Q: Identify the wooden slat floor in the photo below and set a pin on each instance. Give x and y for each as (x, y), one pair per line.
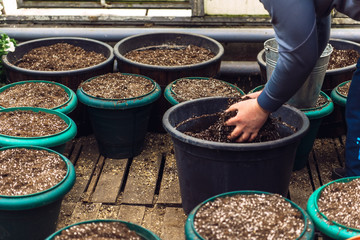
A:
(145, 190)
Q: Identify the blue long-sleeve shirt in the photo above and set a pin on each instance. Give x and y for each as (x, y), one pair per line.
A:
(302, 30)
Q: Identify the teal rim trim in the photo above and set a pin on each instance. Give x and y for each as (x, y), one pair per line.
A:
(312, 113)
(337, 97)
(143, 232)
(330, 228)
(169, 93)
(65, 108)
(125, 103)
(190, 226)
(44, 141)
(42, 198)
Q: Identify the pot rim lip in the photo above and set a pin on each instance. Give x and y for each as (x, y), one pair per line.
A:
(68, 91)
(191, 217)
(132, 226)
(234, 146)
(121, 57)
(125, 103)
(108, 60)
(340, 85)
(169, 93)
(28, 201)
(316, 196)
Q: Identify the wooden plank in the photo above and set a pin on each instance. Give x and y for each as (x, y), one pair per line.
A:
(141, 182)
(154, 218)
(170, 188)
(130, 213)
(111, 178)
(108, 212)
(69, 147)
(300, 187)
(313, 169)
(94, 178)
(85, 211)
(84, 167)
(66, 210)
(340, 149)
(174, 223)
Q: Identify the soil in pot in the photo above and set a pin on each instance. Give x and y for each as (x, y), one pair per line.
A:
(217, 131)
(340, 58)
(31, 94)
(170, 55)
(26, 171)
(344, 89)
(255, 216)
(98, 230)
(191, 88)
(339, 202)
(59, 57)
(117, 86)
(25, 123)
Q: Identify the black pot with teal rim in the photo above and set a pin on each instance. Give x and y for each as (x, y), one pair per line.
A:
(170, 95)
(66, 108)
(120, 125)
(191, 233)
(139, 230)
(331, 229)
(55, 141)
(315, 115)
(338, 97)
(34, 216)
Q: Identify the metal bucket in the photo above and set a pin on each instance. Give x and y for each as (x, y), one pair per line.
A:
(307, 95)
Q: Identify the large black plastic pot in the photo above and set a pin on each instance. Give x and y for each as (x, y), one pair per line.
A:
(332, 125)
(209, 168)
(71, 79)
(164, 75)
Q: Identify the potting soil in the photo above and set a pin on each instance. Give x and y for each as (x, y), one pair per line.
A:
(342, 58)
(24, 123)
(170, 55)
(33, 94)
(98, 230)
(254, 216)
(26, 171)
(344, 89)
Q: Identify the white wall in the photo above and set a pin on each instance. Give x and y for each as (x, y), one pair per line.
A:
(234, 7)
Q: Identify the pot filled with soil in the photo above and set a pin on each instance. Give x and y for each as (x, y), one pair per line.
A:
(66, 60)
(334, 208)
(38, 93)
(104, 229)
(189, 88)
(34, 181)
(324, 106)
(339, 94)
(209, 164)
(36, 127)
(166, 57)
(119, 107)
(248, 215)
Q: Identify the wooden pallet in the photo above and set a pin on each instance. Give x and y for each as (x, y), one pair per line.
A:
(145, 189)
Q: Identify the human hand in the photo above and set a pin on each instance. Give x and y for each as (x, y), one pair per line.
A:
(249, 119)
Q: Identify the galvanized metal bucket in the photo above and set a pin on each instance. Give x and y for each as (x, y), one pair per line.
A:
(307, 95)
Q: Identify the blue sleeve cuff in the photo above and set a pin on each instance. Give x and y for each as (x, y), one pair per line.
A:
(268, 103)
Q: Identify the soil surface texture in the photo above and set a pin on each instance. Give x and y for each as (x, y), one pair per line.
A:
(339, 202)
(26, 123)
(59, 57)
(255, 216)
(27, 171)
(118, 86)
(219, 132)
(33, 94)
(192, 88)
(344, 89)
(170, 55)
(343, 58)
(99, 230)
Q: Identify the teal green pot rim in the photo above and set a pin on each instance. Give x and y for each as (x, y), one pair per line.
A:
(65, 108)
(169, 93)
(143, 232)
(193, 234)
(330, 228)
(337, 97)
(311, 113)
(122, 104)
(30, 201)
(44, 141)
